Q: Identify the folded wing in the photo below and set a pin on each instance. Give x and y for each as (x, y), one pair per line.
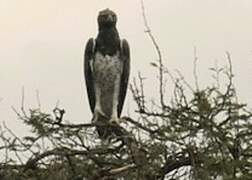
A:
(125, 56)
(88, 58)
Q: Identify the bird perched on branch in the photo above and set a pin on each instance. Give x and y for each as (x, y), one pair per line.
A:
(106, 68)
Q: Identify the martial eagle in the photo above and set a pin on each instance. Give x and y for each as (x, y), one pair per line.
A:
(106, 69)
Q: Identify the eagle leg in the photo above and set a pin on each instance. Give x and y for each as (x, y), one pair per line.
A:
(114, 117)
(98, 110)
(114, 120)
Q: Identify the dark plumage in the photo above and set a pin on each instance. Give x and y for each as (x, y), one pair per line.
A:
(106, 66)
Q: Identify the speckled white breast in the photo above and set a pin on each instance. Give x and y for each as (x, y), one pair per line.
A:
(107, 72)
(106, 68)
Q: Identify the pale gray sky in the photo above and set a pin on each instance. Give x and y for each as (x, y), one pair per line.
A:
(42, 44)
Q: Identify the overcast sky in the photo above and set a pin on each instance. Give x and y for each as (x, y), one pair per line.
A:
(42, 44)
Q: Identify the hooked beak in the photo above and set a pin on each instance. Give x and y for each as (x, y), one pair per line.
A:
(110, 18)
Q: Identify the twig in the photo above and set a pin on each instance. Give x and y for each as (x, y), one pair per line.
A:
(141, 90)
(195, 68)
(38, 99)
(31, 163)
(122, 169)
(17, 138)
(160, 59)
(22, 102)
(183, 79)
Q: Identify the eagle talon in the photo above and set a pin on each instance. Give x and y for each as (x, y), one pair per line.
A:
(95, 117)
(114, 121)
(98, 114)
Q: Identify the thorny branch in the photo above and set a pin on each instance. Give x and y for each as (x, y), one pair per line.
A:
(194, 135)
(160, 59)
(195, 68)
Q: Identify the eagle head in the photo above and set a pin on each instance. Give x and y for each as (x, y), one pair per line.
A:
(107, 18)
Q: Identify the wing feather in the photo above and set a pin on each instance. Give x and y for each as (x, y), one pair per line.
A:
(88, 57)
(125, 55)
